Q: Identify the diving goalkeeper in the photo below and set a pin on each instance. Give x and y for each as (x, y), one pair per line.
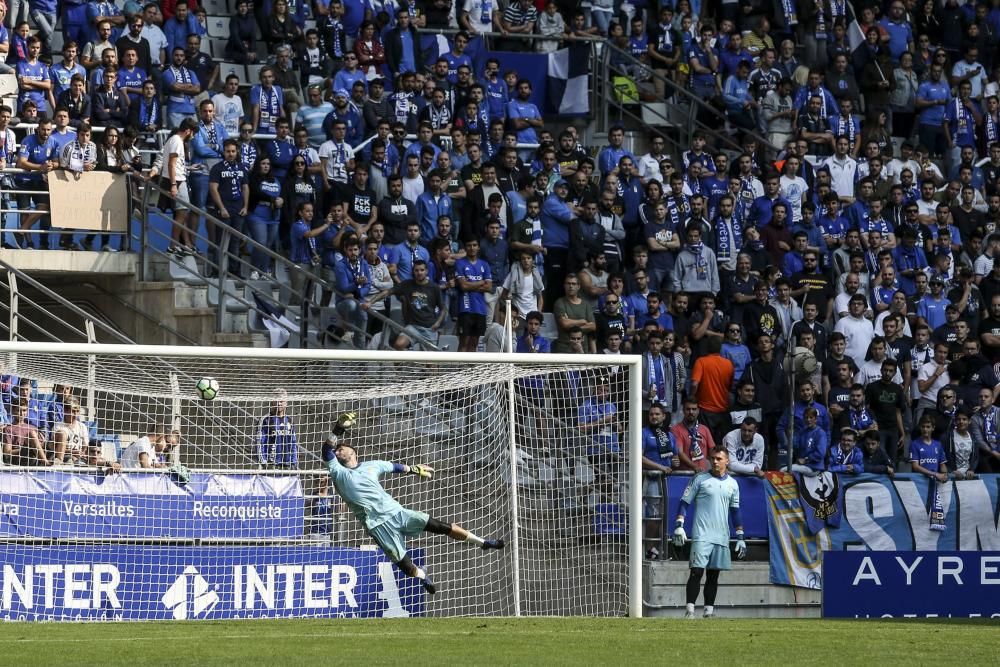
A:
(384, 519)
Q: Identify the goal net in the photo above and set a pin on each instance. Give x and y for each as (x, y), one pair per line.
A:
(123, 495)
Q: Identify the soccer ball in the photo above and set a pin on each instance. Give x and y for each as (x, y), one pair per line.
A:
(207, 388)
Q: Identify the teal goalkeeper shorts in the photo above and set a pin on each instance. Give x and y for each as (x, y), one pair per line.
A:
(390, 535)
(710, 556)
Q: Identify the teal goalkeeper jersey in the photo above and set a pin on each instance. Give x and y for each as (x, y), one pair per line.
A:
(361, 489)
(712, 498)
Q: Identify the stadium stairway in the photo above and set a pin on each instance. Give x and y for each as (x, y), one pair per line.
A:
(744, 592)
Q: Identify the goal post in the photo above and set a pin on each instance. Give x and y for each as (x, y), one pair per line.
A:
(237, 518)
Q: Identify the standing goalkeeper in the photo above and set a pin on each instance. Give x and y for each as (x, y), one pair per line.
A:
(384, 519)
(717, 498)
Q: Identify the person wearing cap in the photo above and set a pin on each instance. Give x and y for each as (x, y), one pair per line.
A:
(556, 215)
(857, 329)
(844, 457)
(386, 521)
(346, 113)
(932, 307)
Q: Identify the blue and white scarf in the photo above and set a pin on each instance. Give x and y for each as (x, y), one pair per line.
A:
(700, 263)
(728, 238)
(992, 130)
(791, 16)
(990, 428)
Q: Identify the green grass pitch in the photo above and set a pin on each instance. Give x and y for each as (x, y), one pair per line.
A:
(540, 641)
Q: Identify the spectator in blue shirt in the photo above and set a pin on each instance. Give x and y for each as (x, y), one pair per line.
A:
(179, 26)
(432, 205)
(496, 90)
(963, 118)
(610, 156)
(304, 251)
(810, 443)
(62, 73)
(845, 457)
(353, 282)
(732, 55)
(33, 78)
(37, 157)
(228, 187)
(931, 309)
(933, 97)
(556, 214)
(762, 208)
(409, 251)
(740, 104)
(525, 118)
(181, 85)
(474, 280)
(703, 60)
(927, 457)
(900, 32)
(495, 250)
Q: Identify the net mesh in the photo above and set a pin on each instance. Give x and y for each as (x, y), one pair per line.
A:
(239, 518)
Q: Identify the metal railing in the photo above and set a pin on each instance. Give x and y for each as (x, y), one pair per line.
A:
(124, 303)
(16, 279)
(677, 96)
(220, 262)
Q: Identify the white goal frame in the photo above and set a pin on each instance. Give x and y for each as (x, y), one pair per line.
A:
(633, 438)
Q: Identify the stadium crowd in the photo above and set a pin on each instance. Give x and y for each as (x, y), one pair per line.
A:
(712, 264)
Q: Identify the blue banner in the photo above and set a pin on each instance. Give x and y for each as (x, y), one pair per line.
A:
(880, 514)
(911, 584)
(753, 500)
(49, 504)
(117, 582)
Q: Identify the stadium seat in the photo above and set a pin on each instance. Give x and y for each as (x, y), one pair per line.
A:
(447, 343)
(110, 445)
(218, 27)
(8, 85)
(232, 305)
(185, 270)
(655, 113)
(217, 49)
(56, 41)
(225, 69)
(216, 7)
(284, 283)
(549, 328)
(253, 73)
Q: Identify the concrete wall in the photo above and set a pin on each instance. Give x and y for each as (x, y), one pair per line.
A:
(744, 592)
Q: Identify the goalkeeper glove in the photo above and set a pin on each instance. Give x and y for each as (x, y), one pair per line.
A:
(680, 536)
(344, 422)
(741, 546)
(422, 470)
